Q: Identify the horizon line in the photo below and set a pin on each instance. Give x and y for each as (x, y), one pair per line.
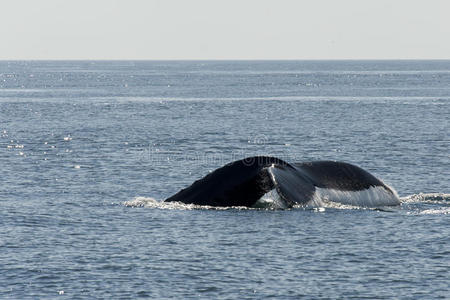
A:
(226, 59)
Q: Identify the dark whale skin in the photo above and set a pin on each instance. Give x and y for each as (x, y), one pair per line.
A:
(244, 182)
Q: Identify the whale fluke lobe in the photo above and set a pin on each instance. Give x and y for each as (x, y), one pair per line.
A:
(240, 183)
(246, 182)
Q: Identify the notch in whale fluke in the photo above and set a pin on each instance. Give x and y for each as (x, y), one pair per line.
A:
(244, 182)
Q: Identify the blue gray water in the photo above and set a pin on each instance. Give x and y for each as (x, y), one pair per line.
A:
(86, 147)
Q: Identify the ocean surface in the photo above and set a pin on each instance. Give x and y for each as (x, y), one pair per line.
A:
(89, 149)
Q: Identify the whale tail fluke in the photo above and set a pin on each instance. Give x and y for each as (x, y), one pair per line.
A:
(246, 182)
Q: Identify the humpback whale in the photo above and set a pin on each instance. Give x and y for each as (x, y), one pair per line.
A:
(264, 181)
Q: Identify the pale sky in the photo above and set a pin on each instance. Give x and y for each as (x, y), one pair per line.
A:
(228, 29)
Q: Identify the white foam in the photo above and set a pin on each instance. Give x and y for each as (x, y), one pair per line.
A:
(145, 202)
(372, 197)
(153, 203)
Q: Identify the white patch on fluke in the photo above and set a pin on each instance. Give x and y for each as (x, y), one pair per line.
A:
(270, 199)
(372, 197)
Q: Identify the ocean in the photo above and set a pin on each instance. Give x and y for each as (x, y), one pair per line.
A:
(89, 149)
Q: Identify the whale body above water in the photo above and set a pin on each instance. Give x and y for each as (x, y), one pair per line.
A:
(264, 181)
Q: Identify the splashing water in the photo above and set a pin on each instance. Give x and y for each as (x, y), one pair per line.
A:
(412, 204)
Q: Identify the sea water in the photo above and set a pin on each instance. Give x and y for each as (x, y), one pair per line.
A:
(89, 149)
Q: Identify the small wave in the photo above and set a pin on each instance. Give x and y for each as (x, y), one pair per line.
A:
(438, 198)
(440, 211)
(427, 204)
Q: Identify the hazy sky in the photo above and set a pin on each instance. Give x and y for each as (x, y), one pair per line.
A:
(228, 29)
